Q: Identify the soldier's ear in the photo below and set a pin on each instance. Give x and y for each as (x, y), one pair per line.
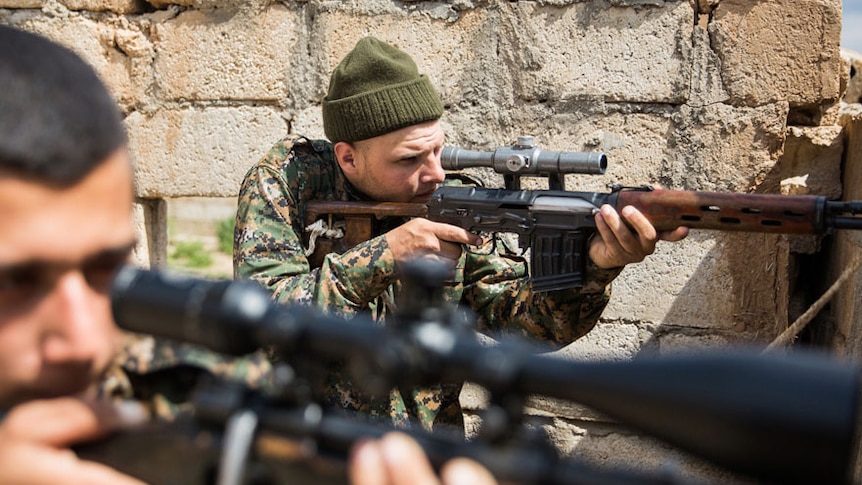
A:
(345, 153)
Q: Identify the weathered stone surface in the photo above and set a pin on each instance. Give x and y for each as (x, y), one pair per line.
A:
(724, 148)
(812, 155)
(120, 53)
(227, 54)
(706, 84)
(151, 229)
(853, 93)
(846, 308)
(610, 447)
(308, 122)
(776, 50)
(609, 340)
(711, 281)
(117, 6)
(15, 4)
(626, 53)
(443, 50)
(192, 152)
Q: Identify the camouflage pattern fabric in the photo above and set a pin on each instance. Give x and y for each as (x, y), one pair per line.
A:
(491, 280)
(162, 374)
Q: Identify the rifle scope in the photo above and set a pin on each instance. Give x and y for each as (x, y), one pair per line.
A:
(525, 158)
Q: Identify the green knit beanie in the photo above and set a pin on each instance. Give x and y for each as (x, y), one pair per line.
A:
(377, 89)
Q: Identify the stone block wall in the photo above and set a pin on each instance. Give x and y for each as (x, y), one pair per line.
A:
(728, 95)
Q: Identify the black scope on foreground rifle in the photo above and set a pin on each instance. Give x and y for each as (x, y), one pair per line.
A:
(525, 158)
(781, 418)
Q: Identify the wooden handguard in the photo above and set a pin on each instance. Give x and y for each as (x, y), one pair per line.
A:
(669, 209)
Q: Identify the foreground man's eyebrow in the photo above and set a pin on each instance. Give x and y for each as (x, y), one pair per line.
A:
(41, 265)
(112, 254)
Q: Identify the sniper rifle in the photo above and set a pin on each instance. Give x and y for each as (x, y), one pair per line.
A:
(784, 419)
(556, 225)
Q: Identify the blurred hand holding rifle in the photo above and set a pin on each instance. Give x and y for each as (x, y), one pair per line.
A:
(556, 224)
(784, 419)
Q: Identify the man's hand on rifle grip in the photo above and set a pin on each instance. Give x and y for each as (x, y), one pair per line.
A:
(420, 237)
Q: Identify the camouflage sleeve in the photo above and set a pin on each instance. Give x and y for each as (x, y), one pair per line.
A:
(164, 374)
(268, 249)
(497, 288)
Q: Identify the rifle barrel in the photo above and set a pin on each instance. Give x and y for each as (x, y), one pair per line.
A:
(844, 214)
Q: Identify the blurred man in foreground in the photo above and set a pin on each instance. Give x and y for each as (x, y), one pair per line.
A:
(66, 196)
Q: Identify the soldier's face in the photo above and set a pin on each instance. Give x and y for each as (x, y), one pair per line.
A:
(59, 251)
(402, 166)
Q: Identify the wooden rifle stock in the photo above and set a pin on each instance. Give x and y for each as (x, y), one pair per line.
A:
(360, 219)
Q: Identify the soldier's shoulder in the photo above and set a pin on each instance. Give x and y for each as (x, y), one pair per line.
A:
(294, 161)
(298, 151)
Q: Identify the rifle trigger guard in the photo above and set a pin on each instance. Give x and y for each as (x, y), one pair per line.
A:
(238, 438)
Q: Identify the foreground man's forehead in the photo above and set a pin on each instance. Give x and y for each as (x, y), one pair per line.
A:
(47, 223)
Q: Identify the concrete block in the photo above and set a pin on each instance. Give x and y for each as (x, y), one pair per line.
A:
(845, 307)
(489, 60)
(473, 397)
(115, 6)
(706, 84)
(724, 148)
(782, 50)
(635, 143)
(191, 152)
(15, 4)
(452, 54)
(606, 341)
(120, 53)
(618, 448)
(625, 53)
(853, 93)
(711, 280)
(308, 122)
(227, 54)
(811, 165)
(814, 155)
(679, 343)
(151, 228)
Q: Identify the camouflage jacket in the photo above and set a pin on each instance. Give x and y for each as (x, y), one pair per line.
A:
(268, 248)
(163, 374)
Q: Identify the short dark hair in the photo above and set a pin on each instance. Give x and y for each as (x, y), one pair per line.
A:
(58, 121)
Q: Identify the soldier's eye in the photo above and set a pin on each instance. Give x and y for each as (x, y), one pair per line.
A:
(20, 283)
(101, 270)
